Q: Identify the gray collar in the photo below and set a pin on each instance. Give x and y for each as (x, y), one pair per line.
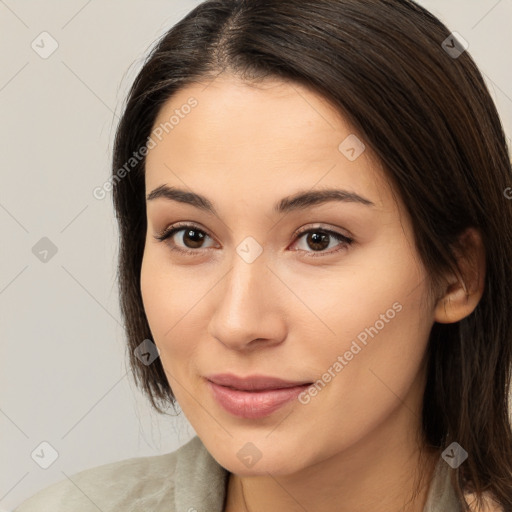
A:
(200, 481)
(441, 495)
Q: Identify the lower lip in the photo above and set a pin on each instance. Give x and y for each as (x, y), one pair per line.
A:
(254, 404)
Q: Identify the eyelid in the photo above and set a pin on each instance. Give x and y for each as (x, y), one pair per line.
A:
(179, 225)
(322, 227)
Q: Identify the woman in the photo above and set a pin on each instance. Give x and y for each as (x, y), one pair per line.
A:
(314, 264)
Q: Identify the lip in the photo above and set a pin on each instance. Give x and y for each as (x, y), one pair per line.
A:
(254, 396)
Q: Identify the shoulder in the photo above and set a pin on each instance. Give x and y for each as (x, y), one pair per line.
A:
(140, 483)
(488, 504)
(442, 494)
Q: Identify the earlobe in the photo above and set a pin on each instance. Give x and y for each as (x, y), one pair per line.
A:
(463, 293)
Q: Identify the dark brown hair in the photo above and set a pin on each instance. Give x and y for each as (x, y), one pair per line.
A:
(428, 116)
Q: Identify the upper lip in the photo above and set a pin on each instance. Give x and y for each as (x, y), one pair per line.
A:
(253, 382)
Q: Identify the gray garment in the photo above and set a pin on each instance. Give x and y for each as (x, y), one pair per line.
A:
(187, 480)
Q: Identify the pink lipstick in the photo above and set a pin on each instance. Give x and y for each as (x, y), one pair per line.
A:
(254, 396)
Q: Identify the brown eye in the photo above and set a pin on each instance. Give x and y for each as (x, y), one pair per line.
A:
(318, 240)
(193, 238)
(190, 242)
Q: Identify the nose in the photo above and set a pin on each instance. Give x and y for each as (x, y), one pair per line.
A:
(248, 310)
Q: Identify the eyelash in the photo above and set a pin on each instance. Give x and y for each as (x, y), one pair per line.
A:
(175, 228)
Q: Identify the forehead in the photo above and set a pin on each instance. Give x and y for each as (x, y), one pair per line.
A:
(270, 137)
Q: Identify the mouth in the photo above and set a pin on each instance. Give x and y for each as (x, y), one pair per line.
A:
(254, 396)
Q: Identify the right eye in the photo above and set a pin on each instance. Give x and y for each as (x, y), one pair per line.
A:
(191, 239)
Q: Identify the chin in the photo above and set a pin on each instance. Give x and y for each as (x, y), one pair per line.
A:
(260, 456)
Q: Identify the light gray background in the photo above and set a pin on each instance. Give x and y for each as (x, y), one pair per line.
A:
(63, 376)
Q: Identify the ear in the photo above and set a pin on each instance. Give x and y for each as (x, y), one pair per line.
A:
(463, 293)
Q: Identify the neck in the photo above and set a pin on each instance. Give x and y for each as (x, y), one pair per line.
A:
(389, 473)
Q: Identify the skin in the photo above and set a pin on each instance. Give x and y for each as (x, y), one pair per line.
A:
(354, 446)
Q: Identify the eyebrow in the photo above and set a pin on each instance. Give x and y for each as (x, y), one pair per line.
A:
(299, 201)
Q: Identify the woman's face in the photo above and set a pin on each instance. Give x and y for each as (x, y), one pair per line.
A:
(268, 289)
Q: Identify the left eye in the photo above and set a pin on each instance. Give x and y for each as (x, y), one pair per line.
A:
(320, 239)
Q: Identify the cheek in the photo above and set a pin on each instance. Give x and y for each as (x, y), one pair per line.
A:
(381, 340)
(369, 371)
(155, 301)
(385, 333)
(171, 303)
